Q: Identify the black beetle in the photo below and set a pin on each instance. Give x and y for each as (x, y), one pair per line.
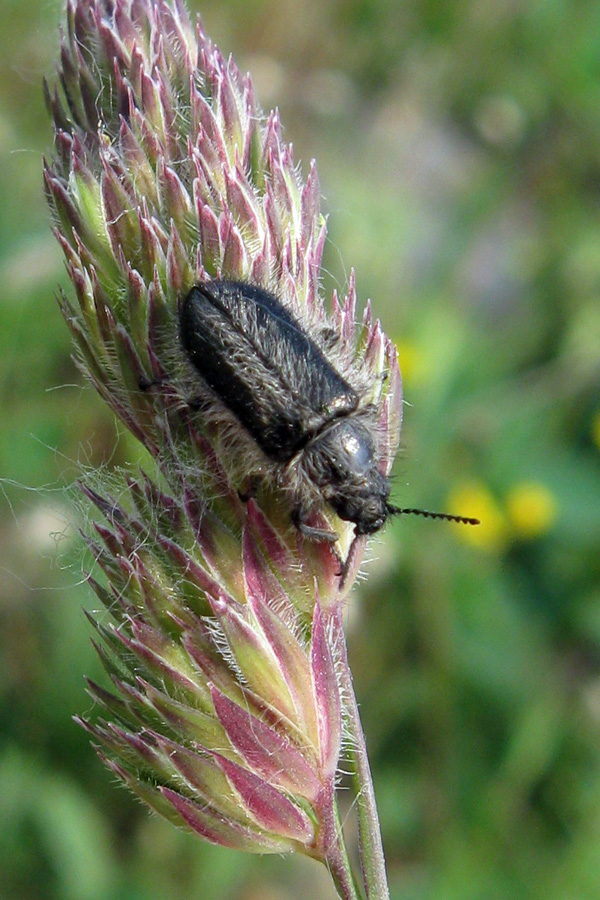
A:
(307, 420)
(313, 428)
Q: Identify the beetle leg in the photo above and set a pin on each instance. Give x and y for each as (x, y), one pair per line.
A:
(312, 532)
(250, 489)
(145, 384)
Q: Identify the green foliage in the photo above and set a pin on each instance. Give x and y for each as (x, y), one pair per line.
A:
(458, 146)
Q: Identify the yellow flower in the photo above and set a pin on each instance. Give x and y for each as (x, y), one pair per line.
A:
(596, 429)
(410, 360)
(531, 509)
(473, 498)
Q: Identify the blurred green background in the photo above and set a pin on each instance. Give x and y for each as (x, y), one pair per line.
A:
(458, 145)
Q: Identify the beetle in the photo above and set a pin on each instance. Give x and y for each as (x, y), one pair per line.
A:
(313, 429)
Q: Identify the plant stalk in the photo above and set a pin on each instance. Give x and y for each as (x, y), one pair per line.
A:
(332, 847)
(369, 830)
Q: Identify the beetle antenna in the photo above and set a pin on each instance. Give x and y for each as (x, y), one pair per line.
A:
(427, 514)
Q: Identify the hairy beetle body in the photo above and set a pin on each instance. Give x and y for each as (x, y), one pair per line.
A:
(261, 364)
(307, 420)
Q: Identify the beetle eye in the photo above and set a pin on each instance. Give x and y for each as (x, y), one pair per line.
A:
(351, 445)
(357, 446)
